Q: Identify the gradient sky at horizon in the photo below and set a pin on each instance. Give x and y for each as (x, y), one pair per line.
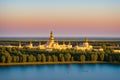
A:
(67, 18)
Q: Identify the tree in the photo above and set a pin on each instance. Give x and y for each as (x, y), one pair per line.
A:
(104, 46)
(14, 58)
(43, 58)
(72, 59)
(67, 57)
(62, 59)
(9, 59)
(55, 59)
(101, 56)
(24, 59)
(3, 59)
(9, 49)
(20, 58)
(30, 58)
(110, 58)
(17, 58)
(119, 58)
(49, 58)
(39, 57)
(94, 57)
(34, 59)
(82, 58)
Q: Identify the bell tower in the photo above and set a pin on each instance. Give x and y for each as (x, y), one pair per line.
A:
(51, 37)
(86, 42)
(19, 44)
(30, 45)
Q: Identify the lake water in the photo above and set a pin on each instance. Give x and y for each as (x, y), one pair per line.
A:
(61, 72)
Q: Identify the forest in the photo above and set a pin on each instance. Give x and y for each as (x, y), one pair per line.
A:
(19, 55)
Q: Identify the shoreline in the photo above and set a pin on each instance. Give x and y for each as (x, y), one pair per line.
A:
(53, 63)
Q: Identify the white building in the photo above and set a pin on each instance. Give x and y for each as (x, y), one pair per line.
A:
(98, 49)
(116, 50)
(84, 46)
(51, 44)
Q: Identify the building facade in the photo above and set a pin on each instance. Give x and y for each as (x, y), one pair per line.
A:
(84, 46)
(52, 44)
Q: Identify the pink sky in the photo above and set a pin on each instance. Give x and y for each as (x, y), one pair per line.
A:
(74, 18)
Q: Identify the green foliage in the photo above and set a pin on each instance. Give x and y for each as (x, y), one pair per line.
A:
(17, 58)
(34, 59)
(67, 57)
(39, 57)
(30, 58)
(62, 59)
(8, 55)
(3, 59)
(55, 59)
(119, 58)
(72, 59)
(82, 58)
(94, 57)
(49, 59)
(14, 59)
(9, 59)
(110, 58)
(24, 58)
(43, 58)
(102, 56)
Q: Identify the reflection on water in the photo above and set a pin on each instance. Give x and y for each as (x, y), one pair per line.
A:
(61, 72)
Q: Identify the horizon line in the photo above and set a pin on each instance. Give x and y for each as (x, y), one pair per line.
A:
(60, 36)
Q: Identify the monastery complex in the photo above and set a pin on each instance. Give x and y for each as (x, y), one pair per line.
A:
(52, 44)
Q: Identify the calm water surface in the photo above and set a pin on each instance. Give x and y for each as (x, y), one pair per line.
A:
(61, 72)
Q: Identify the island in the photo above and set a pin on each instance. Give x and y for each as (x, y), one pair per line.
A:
(58, 52)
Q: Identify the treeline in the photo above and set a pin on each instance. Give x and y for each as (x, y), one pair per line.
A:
(17, 55)
(94, 43)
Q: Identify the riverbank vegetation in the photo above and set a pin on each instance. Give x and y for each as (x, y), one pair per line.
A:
(23, 55)
(74, 42)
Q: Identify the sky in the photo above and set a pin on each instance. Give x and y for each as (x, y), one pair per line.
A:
(66, 18)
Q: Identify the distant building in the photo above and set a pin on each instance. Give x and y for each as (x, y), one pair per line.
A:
(52, 44)
(20, 46)
(98, 49)
(84, 46)
(7, 46)
(116, 50)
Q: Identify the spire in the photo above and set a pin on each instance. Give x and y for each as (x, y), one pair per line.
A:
(51, 36)
(31, 45)
(19, 44)
(86, 39)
